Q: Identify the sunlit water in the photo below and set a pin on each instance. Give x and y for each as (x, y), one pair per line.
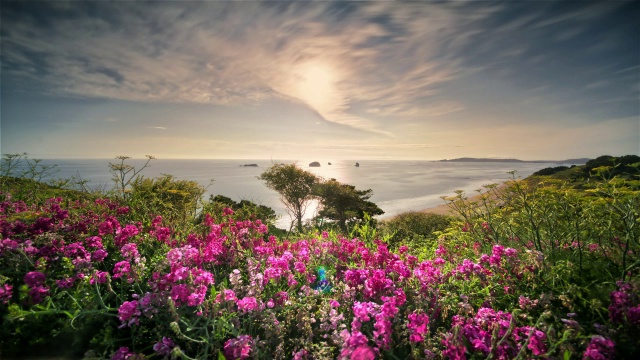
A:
(398, 186)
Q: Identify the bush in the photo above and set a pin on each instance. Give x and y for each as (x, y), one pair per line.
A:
(412, 228)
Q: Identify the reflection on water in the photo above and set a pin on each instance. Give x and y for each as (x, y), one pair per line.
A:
(398, 186)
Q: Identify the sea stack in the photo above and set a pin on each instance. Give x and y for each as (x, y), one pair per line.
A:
(357, 164)
(314, 164)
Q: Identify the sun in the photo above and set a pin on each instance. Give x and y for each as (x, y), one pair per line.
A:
(317, 86)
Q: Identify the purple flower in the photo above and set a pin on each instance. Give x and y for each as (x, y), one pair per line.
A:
(99, 255)
(122, 354)
(6, 292)
(600, 348)
(164, 346)
(34, 278)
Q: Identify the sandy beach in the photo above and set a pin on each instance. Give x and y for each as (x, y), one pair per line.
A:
(445, 209)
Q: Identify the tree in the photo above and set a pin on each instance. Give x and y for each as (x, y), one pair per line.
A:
(342, 202)
(294, 186)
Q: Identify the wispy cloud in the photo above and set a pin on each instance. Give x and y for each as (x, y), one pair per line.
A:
(235, 53)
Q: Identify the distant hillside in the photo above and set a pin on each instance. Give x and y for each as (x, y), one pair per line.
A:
(567, 161)
(627, 166)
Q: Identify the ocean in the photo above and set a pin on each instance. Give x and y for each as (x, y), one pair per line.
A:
(398, 185)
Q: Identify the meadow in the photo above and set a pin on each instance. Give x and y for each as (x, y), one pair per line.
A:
(545, 267)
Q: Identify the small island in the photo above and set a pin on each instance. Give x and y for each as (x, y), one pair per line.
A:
(253, 165)
(314, 164)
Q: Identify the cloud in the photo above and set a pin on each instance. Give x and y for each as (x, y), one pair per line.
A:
(392, 59)
(237, 53)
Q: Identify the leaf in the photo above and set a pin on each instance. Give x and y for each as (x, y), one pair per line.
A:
(221, 356)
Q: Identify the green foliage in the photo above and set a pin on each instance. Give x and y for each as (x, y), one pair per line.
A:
(294, 186)
(413, 228)
(343, 203)
(243, 210)
(167, 196)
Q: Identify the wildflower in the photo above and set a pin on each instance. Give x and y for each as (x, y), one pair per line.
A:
(100, 277)
(363, 352)
(122, 354)
(302, 354)
(235, 278)
(600, 348)
(34, 278)
(130, 252)
(300, 267)
(124, 234)
(38, 293)
(121, 269)
(99, 255)
(6, 292)
(238, 348)
(418, 324)
(65, 283)
(164, 346)
(128, 313)
(248, 304)
(536, 342)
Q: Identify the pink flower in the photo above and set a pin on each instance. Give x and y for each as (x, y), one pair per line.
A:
(300, 267)
(248, 304)
(128, 313)
(418, 324)
(238, 348)
(6, 292)
(363, 353)
(121, 269)
(536, 342)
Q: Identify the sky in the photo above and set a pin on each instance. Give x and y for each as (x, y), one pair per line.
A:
(320, 80)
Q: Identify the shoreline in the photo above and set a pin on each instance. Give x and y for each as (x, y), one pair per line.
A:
(445, 209)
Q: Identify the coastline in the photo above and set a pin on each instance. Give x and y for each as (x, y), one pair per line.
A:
(445, 209)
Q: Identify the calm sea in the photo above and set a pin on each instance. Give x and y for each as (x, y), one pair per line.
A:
(398, 185)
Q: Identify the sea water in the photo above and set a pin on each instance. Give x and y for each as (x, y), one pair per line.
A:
(398, 185)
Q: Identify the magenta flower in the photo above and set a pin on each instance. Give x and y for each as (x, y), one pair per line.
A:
(238, 348)
(600, 348)
(6, 292)
(128, 313)
(34, 278)
(99, 255)
(122, 268)
(247, 304)
(122, 354)
(418, 324)
(363, 352)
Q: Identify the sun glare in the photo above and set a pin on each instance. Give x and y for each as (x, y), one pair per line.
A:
(317, 86)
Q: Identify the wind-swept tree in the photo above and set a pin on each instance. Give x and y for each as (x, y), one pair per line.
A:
(294, 186)
(343, 203)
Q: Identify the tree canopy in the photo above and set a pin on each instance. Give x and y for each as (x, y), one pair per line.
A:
(343, 203)
(294, 186)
